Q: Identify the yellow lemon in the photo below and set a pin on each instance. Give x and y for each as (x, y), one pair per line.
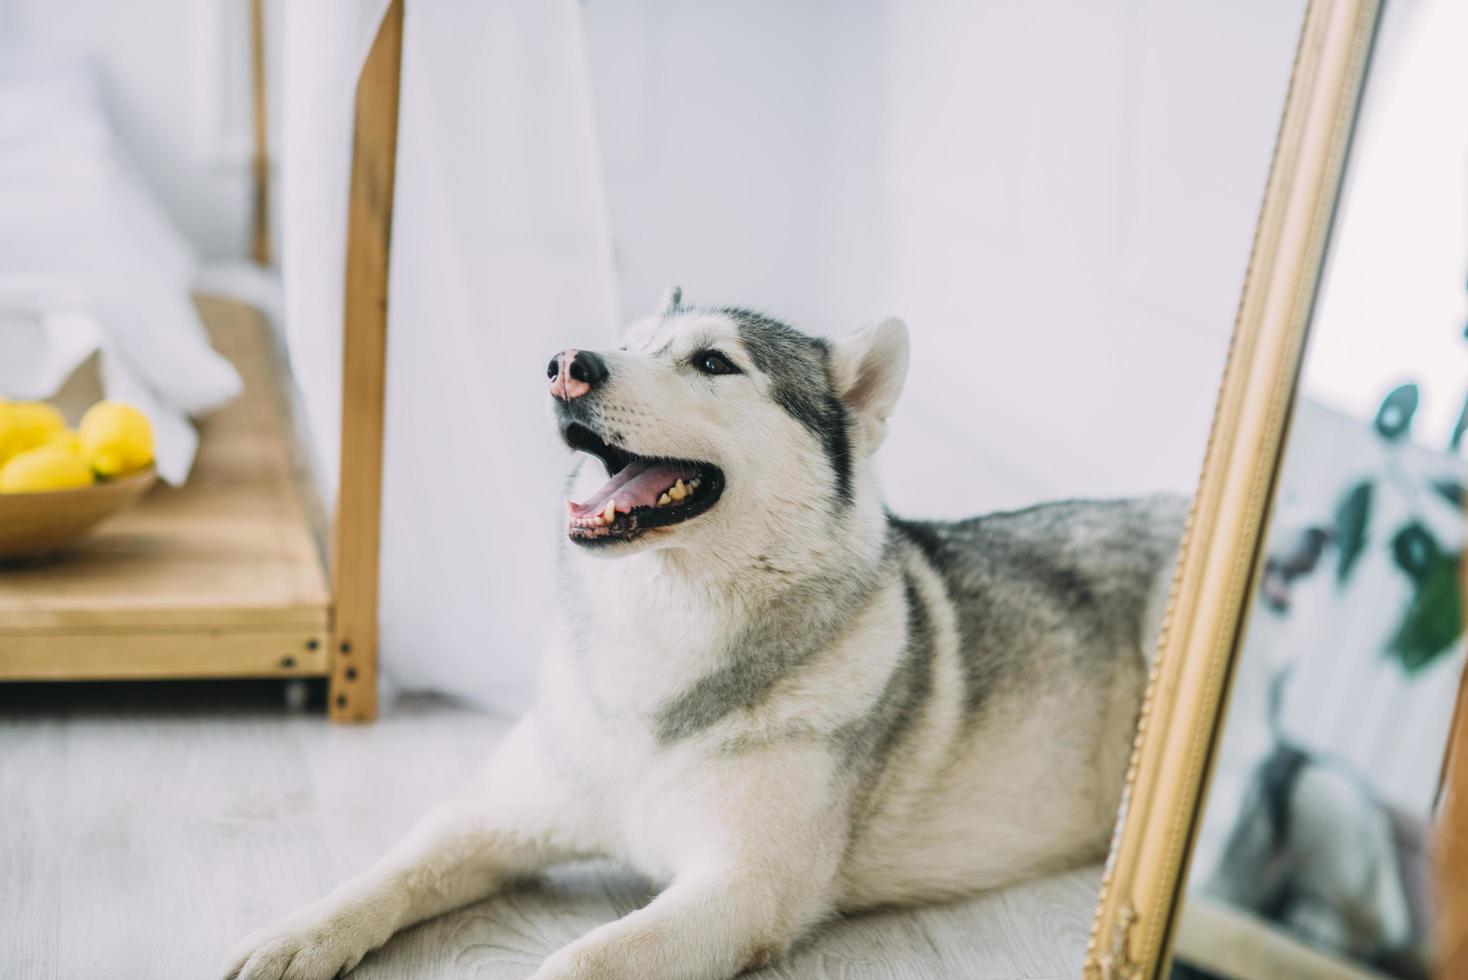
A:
(42, 469)
(26, 425)
(116, 438)
(67, 441)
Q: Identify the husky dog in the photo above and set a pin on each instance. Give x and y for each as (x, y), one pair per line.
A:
(765, 690)
(1315, 851)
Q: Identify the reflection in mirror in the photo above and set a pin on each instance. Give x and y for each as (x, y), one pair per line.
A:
(1311, 858)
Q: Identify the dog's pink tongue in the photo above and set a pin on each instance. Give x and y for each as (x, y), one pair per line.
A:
(636, 485)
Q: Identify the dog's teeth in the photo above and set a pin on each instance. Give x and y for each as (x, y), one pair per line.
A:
(664, 500)
(693, 483)
(678, 491)
(609, 513)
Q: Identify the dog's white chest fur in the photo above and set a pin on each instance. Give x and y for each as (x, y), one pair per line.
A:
(955, 806)
(602, 694)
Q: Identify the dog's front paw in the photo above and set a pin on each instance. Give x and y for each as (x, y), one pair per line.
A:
(588, 960)
(300, 948)
(563, 965)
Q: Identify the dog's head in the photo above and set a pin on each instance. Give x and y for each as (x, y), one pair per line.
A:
(720, 422)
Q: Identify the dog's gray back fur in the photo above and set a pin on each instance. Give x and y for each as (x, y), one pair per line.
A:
(1076, 577)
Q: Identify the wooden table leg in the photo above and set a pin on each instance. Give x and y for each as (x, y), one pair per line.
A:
(1450, 848)
(353, 686)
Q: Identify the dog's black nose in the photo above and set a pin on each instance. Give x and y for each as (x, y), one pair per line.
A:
(575, 372)
(586, 366)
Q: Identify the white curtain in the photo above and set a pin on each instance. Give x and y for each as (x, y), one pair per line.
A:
(500, 257)
(325, 45)
(1021, 182)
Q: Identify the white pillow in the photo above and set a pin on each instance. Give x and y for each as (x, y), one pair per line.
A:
(90, 262)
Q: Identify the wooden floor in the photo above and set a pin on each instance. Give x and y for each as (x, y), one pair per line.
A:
(144, 828)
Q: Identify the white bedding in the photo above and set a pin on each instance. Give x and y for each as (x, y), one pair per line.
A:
(89, 263)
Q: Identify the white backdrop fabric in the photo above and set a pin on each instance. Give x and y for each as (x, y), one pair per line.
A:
(1058, 198)
(325, 44)
(500, 258)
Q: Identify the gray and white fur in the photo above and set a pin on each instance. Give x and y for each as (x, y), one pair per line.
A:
(793, 704)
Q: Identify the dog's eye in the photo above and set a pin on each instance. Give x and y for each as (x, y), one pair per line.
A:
(712, 362)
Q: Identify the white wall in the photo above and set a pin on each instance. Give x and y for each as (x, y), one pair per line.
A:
(176, 79)
(729, 139)
(1058, 196)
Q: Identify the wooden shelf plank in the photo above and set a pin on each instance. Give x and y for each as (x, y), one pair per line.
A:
(158, 656)
(1234, 944)
(227, 562)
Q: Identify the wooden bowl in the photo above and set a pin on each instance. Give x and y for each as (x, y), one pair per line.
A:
(38, 523)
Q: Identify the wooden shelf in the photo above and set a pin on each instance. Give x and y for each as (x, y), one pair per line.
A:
(1232, 943)
(219, 578)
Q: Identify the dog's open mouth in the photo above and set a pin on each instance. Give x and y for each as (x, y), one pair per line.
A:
(641, 493)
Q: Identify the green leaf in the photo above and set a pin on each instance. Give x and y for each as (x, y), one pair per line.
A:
(1433, 619)
(1394, 417)
(1415, 550)
(1450, 490)
(1456, 441)
(1351, 517)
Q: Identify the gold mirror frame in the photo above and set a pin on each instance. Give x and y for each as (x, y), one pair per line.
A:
(1182, 712)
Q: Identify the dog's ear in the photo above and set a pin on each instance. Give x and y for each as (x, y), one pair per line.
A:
(868, 369)
(672, 298)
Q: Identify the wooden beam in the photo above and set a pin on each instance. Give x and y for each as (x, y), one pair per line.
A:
(1450, 848)
(353, 689)
(260, 164)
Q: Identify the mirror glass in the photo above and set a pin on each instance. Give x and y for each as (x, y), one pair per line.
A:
(1311, 856)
